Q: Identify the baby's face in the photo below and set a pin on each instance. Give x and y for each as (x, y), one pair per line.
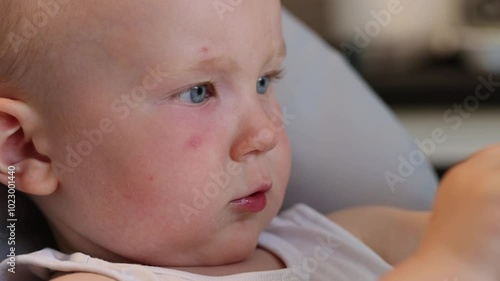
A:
(181, 175)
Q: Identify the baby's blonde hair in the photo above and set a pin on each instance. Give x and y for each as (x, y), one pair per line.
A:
(19, 53)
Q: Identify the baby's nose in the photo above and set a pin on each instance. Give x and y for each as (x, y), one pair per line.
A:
(257, 133)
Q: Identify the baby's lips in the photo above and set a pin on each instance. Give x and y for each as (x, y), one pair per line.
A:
(254, 203)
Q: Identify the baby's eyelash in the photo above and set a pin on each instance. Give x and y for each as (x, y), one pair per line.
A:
(213, 84)
(277, 75)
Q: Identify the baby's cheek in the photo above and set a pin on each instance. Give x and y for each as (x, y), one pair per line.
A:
(194, 142)
(282, 157)
(151, 205)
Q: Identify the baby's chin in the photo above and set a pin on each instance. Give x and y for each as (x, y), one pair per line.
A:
(231, 252)
(231, 245)
(222, 256)
(226, 256)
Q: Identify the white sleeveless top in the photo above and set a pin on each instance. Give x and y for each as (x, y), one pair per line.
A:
(312, 247)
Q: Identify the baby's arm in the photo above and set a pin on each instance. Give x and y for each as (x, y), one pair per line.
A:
(460, 241)
(394, 234)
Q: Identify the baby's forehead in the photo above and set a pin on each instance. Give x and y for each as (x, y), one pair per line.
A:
(111, 29)
(120, 40)
(134, 28)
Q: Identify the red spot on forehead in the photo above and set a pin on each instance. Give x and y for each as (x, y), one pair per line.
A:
(204, 49)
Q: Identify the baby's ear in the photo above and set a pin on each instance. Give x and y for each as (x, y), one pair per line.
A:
(20, 162)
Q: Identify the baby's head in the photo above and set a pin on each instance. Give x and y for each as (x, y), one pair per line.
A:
(146, 131)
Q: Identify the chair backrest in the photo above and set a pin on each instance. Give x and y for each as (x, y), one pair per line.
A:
(344, 140)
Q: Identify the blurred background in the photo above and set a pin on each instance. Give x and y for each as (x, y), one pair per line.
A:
(435, 63)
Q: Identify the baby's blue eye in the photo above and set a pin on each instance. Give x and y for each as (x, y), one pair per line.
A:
(196, 94)
(263, 84)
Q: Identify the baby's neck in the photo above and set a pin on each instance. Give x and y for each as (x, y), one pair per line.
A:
(260, 260)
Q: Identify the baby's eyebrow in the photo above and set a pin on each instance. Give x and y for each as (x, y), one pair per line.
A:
(278, 53)
(229, 63)
(214, 62)
(207, 64)
(218, 61)
(281, 50)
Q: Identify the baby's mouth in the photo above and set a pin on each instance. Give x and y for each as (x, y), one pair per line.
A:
(253, 203)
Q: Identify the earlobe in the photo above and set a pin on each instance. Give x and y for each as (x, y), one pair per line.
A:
(33, 173)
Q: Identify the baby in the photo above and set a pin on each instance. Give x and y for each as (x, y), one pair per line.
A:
(149, 135)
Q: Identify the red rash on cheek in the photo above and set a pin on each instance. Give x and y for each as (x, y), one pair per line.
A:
(131, 195)
(194, 142)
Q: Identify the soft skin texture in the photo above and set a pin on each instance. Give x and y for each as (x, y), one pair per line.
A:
(123, 200)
